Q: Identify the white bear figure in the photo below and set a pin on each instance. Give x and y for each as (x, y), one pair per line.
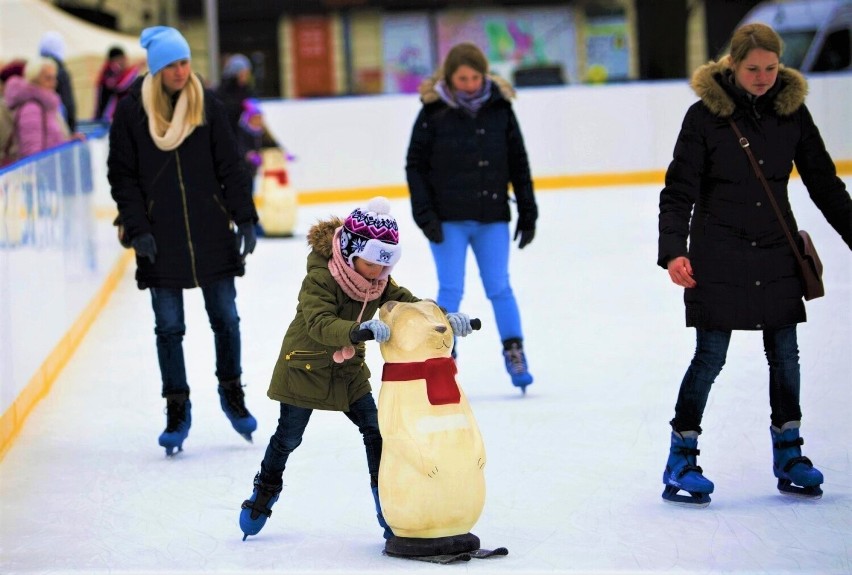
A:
(431, 480)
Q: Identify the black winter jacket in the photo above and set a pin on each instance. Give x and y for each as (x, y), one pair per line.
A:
(745, 271)
(187, 198)
(459, 167)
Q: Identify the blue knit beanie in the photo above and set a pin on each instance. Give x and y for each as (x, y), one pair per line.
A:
(164, 45)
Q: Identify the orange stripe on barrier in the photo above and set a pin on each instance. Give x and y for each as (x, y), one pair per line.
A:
(41, 382)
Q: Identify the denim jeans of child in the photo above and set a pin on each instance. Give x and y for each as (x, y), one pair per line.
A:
(490, 244)
(782, 354)
(291, 428)
(220, 303)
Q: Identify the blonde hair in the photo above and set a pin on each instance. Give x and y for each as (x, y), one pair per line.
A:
(34, 67)
(747, 38)
(464, 54)
(162, 108)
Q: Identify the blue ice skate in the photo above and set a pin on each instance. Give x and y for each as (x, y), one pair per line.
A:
(258, 508)
(683, 473)
(796, 474)
(516, 363)
(232, 400)
(178, 422)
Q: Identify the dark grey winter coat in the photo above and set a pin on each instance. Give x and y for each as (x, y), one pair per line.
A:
(187, 198)
(744, 267)
(459, 167)
(305, 374)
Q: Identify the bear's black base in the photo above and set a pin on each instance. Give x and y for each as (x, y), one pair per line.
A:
(417, 547)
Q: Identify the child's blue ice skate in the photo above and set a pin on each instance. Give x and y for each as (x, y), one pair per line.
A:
(258, 508)
(178, 422)
(790, 466)
(683, 473)
(516, 363)
(232, 400)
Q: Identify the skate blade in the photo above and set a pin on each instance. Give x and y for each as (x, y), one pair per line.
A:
(172, 450)
(788, 489)
(697, 500)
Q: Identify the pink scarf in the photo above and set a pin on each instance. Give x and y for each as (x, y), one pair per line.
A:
(354, 285)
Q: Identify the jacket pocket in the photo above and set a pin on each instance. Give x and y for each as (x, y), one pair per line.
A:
(309, 374)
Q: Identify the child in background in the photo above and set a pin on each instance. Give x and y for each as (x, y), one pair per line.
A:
(320, 366)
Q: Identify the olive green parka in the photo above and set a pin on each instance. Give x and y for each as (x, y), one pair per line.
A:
(305, 374)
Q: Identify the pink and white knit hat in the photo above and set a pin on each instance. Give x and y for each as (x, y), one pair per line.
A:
(371, 234)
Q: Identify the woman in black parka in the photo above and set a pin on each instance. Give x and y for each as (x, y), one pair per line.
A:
(739, 270)
(466, 148)
(180, 185)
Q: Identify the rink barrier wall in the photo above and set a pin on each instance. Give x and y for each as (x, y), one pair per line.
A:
(590, 136)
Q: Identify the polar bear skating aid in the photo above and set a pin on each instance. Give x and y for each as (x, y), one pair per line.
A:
(431, 479)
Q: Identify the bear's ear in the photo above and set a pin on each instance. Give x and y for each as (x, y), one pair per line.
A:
(389, 306)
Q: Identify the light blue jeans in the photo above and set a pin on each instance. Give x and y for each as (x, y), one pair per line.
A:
(490, 243)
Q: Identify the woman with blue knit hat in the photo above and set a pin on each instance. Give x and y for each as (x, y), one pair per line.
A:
(182, 190)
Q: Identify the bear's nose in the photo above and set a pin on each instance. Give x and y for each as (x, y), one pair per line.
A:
(440, 328)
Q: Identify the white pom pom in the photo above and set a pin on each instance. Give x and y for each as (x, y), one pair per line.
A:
(379, 205)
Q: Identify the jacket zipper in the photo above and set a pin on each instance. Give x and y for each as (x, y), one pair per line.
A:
(186, 219)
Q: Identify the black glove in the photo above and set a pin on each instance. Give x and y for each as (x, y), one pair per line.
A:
(145, 246)
(246, 237)
(526, 235)
(433, 231)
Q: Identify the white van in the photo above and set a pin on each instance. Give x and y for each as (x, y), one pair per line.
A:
(816, 33)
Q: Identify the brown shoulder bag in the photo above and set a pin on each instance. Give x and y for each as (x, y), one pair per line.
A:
(810, 266)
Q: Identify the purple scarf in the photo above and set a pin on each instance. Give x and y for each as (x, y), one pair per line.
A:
(470, 103)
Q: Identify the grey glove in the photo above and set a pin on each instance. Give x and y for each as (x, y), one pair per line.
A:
(460, 322)
(380, 329)
(145, 246)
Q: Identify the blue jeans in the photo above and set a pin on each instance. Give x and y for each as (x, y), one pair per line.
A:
(490, 243)
(782, 353)
(291, 428)
(220, 303)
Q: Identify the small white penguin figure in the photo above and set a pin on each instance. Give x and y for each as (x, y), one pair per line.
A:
(431, 479)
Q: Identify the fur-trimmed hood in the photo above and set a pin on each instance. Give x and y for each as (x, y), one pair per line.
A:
(428, 93)
(707, 84)
(321, 234)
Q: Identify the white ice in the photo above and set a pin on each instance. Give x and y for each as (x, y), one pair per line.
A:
(574, 468)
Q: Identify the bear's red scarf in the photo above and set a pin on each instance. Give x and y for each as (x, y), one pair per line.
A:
(439, 373)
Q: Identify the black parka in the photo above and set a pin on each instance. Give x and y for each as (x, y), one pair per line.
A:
(187, 198)
(743, 265)
(306, 374)
(459, 167)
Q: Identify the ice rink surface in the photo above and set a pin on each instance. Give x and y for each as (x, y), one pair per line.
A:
(574, 468)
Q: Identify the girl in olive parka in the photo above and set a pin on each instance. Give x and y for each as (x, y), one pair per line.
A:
(320, 366)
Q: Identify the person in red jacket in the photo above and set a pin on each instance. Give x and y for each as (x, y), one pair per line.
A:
(115, 78)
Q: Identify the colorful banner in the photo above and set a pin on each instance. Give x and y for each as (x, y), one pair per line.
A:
(607, 50)
(514, 39)
(406, 52)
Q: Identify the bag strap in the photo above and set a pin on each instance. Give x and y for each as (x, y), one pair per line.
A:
(744, 144)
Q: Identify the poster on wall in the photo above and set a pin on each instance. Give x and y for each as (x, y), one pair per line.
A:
(516, 41)
(312, 58)
(407, 52)
(607, 57)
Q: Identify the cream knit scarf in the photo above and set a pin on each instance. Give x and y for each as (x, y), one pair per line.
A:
(169, 134)
(354, 285)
